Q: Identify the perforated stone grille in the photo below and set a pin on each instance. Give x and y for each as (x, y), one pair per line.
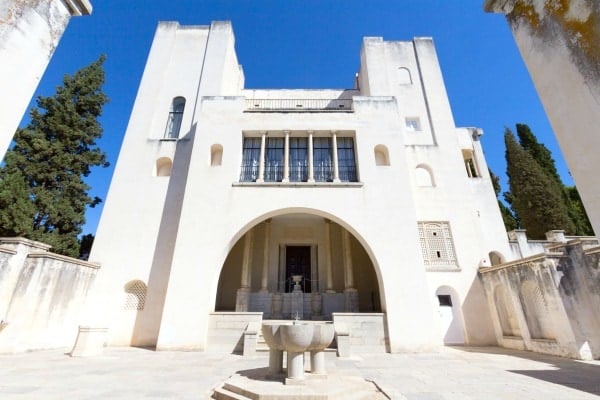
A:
(135, 296)
(436, 244)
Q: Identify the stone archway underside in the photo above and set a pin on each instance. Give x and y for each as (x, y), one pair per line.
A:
(298, 265)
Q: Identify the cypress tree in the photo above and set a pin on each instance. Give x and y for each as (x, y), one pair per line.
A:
(43, 195)
(543, 157)
(509, 219)
(535, 196)
(538, 151)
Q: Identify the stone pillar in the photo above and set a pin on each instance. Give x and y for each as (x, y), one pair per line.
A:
(29, 33)
(286, 158)
(350, 293)
(295, 368)
(317, 362)
(275, 363)
(265, 269)
(520, 236)
(328, 265)
(336, 171)
(243, 293)
(316, 306)
(261, 161)
(311, 172)
(277, 306)
(556, 235)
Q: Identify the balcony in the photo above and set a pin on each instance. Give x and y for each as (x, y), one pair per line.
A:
(299, 105)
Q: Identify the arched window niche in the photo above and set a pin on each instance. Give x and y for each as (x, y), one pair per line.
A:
(404, 77)
(381, 155)
(424, 176)
(175, 118)
(163, 166)
(216, 155)
(536, 311)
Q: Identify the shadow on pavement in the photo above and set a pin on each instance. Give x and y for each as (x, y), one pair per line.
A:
(575, 374)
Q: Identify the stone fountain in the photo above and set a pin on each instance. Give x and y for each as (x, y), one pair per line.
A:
(295, 338)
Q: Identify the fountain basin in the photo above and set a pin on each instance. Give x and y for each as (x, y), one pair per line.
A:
(295, 338)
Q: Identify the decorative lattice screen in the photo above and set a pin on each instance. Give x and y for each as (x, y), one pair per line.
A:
(135, 293)
(436, 244)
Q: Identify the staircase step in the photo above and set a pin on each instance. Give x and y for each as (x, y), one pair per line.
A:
(223, 394)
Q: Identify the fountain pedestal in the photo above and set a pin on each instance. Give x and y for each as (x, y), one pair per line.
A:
(295, 338)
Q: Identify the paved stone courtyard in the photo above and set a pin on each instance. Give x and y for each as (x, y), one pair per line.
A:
(453, 373)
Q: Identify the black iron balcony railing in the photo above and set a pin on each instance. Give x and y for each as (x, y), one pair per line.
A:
(299, 105)
(249, 173)
(347, 173)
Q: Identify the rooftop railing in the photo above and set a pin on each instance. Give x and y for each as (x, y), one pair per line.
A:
(299, 105)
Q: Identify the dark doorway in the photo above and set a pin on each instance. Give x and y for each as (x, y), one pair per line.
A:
(297, 262)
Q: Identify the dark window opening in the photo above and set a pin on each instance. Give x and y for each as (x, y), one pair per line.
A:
(445, 300)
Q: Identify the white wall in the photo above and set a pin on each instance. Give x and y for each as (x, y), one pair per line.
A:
(176, 232)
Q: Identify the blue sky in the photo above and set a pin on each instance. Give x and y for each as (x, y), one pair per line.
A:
(312, 44)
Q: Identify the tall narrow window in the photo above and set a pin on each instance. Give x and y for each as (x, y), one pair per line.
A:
(175, 117)
(250, 160)
(274, 160)
(470, 164)
(322, 160)
(346, 160)
(298, 159)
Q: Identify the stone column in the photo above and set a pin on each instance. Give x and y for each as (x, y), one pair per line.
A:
(265, 268)
(336, 171)
(328, 265)
(350, 293)
(261, 161)
(286, 158)
(311, 173)
(243, 293)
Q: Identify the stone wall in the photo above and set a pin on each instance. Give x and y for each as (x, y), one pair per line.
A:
(226, 330)
(41, 296)
(549, 302)
(367, 331)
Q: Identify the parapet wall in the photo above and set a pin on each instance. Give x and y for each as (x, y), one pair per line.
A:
(548, 302)
(41, 296)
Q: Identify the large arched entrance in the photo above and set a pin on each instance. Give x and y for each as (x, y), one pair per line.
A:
(298, 265)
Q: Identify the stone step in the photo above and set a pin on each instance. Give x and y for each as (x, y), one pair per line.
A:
(335, 388)
(223, 394)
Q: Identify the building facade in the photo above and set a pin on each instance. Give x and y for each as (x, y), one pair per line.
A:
(29, 32)
(364, 205)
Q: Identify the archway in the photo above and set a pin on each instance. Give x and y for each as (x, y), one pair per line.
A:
(298, 264)
(449, 310)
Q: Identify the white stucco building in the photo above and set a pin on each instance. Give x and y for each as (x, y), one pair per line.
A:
(29, 33)
(370, 198)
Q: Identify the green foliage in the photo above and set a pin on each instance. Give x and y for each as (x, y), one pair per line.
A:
(583, 227)
(85, 246)
(41, 183)
(509, 219)
(16, 209)
(579, 222)
(538, 151)
(535, 196)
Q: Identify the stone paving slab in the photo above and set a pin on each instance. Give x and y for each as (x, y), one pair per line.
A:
(452, 373)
